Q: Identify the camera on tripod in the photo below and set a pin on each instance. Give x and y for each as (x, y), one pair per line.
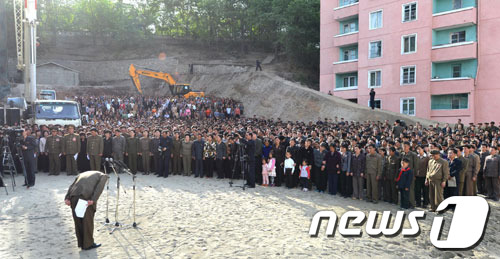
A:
(12, 135)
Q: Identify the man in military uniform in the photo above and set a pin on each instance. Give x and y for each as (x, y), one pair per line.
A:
(95, 147)
(118, 144)
(71, 147)
(436, 177)
(373, 173)
(87, 186)
(54, 148)
(420, 173)
(131, 151)
(186, 155)
(392, 168)
(471, 175)
(413, 158)
(145, 152)
(176, 154)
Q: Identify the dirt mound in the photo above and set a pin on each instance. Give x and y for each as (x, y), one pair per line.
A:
(270, 96)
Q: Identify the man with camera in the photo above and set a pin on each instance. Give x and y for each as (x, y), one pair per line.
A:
(28, 147)
(249, 149)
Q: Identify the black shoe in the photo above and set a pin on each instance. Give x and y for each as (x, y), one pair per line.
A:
(195, 176)
(25, 184)
(159, 176)
(94, 245)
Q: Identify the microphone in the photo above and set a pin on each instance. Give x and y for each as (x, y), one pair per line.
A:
(123, 166)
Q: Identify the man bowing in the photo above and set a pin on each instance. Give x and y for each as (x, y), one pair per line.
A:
(87, 186)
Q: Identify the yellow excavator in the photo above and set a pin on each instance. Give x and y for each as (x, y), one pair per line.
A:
(175, 89)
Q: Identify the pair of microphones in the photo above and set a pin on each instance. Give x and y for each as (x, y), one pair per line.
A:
(118, 163)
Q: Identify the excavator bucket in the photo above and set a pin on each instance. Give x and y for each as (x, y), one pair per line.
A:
(135, 77)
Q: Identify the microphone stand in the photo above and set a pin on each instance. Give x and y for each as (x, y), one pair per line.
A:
(117, 224)
(106, 222)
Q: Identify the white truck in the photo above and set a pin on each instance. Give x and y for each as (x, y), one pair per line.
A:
(56, 112)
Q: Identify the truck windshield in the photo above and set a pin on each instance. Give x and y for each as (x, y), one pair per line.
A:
(57, 111)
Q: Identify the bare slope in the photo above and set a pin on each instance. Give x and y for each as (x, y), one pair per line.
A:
(267, 95)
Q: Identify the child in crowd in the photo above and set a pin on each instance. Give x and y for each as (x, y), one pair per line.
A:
(271, 167)
(305, 175)
(288, 170)
(404, 181)
(265, 173)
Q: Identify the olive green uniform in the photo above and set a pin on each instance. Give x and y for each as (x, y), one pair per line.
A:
(145, 146)
(461, 177)
(95, 146)
(373, 170)
(54, 147)
(176, 156)
(132, 149)
(70, 148)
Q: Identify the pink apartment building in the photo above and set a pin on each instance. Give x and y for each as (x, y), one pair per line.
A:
(435, 59)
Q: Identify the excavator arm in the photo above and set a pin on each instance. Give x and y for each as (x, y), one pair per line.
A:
(135, 73)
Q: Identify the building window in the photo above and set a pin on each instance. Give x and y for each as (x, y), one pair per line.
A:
(350, 81)
(375, 49)
(408, 75)
(450, 102)
(457, 37)
(378, 104)
(408, 106)
(457, 4)
(409, 12)
(374, 78)
(409, 44)
(350, 27)
(349, 54)
(376, 20)
(457, 70)
(347, 2)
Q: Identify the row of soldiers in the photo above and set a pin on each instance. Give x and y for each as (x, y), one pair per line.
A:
(161, 152)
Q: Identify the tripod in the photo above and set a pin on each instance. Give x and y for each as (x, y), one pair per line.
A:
(8, 164)
(242, 159)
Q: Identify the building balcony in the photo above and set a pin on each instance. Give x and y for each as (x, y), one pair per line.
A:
(456, 51)
(345, 66)
(451, 85)
(454, 18)
(346, 11)
(345, 39)
(451, 116)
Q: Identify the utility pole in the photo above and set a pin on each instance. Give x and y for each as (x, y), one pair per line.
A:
(4, 81)
(30, 50)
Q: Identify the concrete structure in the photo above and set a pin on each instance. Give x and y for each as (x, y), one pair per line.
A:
(55, 74)
(436, 59)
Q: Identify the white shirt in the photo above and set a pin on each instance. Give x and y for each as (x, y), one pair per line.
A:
(42, 144)
(289, 163)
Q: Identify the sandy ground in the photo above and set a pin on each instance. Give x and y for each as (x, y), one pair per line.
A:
(186, 217)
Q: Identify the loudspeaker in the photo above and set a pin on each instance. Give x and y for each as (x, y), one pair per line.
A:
(13, 116)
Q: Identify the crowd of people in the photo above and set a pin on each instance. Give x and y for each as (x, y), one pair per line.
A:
(409, 165)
